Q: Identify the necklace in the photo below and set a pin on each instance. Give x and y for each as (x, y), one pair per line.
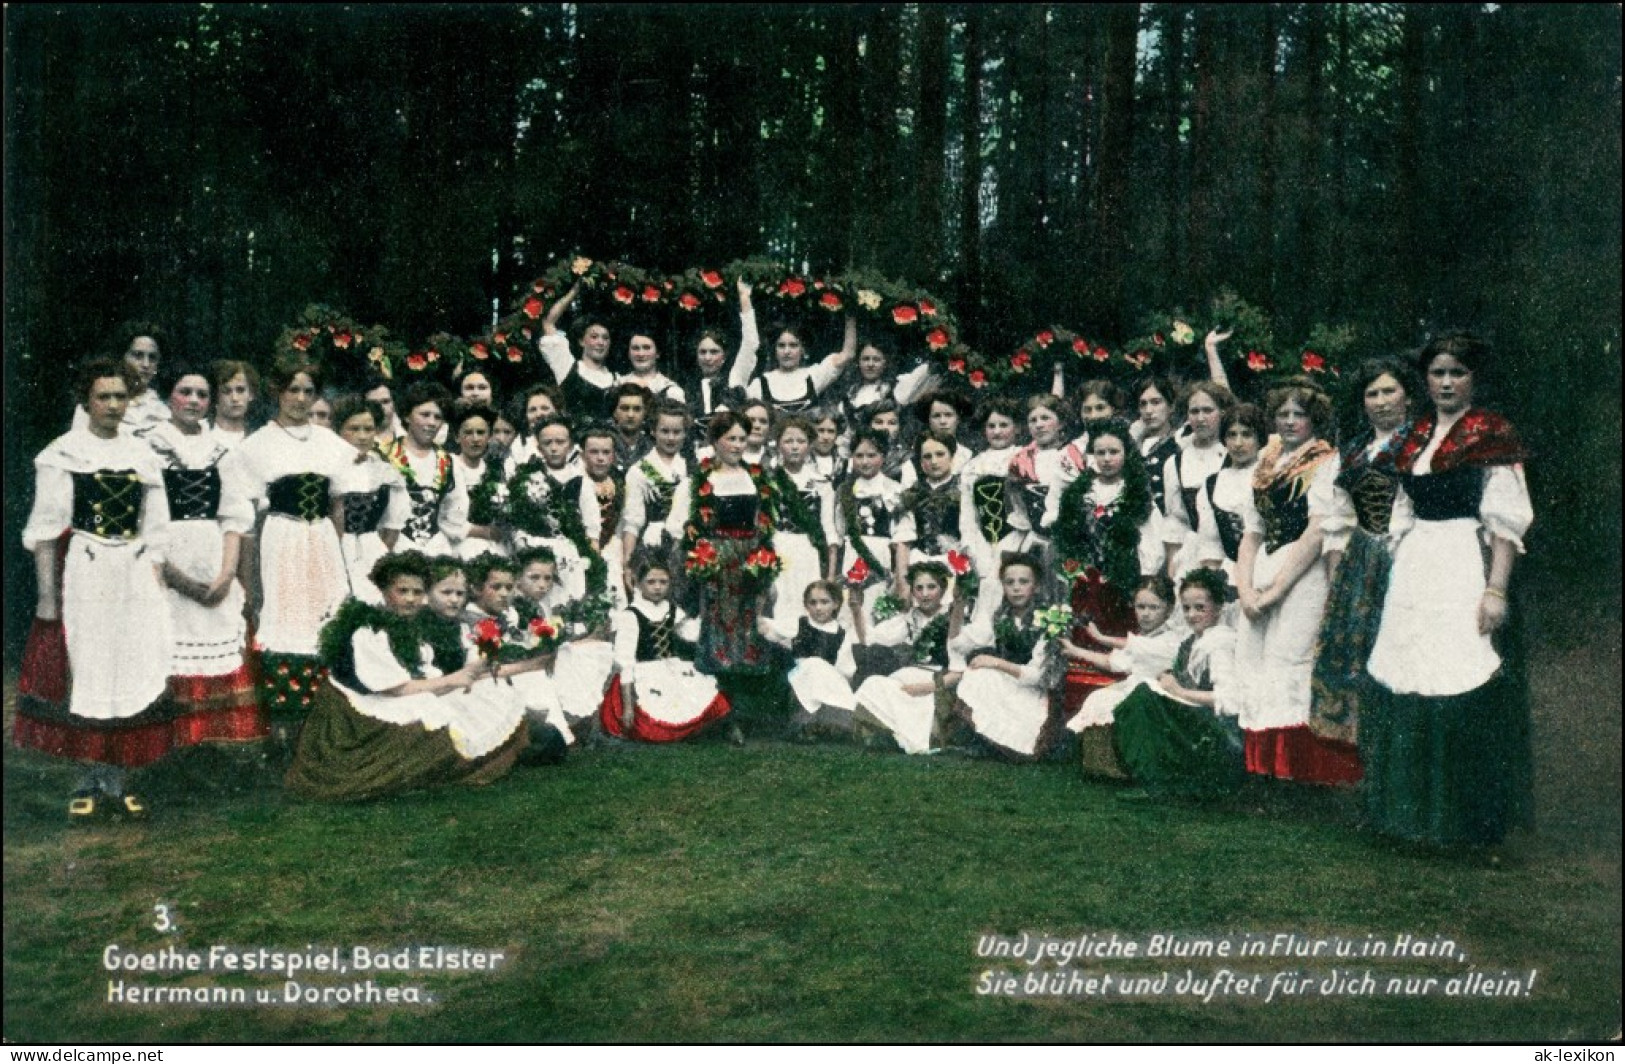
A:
(302, 439)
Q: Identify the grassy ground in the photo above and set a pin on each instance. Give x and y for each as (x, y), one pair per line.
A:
(812, 893)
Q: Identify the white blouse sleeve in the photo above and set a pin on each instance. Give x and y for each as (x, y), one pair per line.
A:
(399, 507)
(555, 349)
(1505, 509)
(53, 506)
(634, 515)
(845, 663)
(826, 515)
(892, 632)
(375, 664)
(1220, 647)
(744, 367)
(1335, 508)
(1208, 545)
(1176, 523)
(592, 518)
(688, 628)
(824, 373)
(1251, 523)
(1151, 556)
(454, 520)
(909, 384)
(625, 626)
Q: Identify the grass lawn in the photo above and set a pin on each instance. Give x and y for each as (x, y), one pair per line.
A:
(779, 892)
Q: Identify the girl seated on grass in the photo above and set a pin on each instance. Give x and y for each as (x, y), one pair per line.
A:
(1005, 692)
(1174, 736)
(904, 704)
(1141, 656)
(404, 707)
(821, 678)
(656, 696)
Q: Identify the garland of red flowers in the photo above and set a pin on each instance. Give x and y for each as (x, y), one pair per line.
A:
(701, 556)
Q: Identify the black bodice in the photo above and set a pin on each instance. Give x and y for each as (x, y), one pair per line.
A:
(1155, 463)
(302, 496)
(1229, 524)
(107, 502)
(936, 516)
(658, 639)
(584, 399)
(874, 517)
(789, 406)
(1446, 496)
(364, 510)
(735, 513)
(193, 494)
(810, 642)
(1284, 509)
(1372, 490)
(991, 507)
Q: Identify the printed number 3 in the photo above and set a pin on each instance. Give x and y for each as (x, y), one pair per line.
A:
(161, 921)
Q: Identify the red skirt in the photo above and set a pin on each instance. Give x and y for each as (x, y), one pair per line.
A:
(1113, 613)
(649, 730)
(1297, 753)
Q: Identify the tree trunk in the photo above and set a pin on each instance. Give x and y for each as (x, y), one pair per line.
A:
(930, 134)
(1106, 305)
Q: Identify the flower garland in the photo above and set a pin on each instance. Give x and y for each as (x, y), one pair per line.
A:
(1117, 523)
(340, 345)
(931, 640)
(394, 452)
(874, 570)
(702, 559)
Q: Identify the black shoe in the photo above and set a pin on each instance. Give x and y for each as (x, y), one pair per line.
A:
(547, 745)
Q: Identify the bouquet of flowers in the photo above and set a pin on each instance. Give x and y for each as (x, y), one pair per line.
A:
(966, 581)
(703, 561)
(763, 564)
(1055, 621)
(488, 640)
(887, 606)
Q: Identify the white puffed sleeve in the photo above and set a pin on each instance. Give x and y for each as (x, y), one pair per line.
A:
(53, 505)
(634, 514)
(1505, 509)
(555, 349)
(824, 373)
(910, 384)
(1218, 646)
(375, 664)
(1150, 552)
(625, 626)
(1335, 508)
(1176, 523)
(1208, 545)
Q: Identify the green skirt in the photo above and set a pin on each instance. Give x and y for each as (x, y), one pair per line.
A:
(1449, 771)
(1174, 749)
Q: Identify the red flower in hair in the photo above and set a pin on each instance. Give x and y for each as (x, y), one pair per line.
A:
(905, 314)
(937, 338)
(532, 308)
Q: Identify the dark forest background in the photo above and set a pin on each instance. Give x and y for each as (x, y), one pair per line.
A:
(1395, 167)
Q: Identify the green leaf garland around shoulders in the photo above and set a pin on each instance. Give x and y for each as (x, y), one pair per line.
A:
(1119, 522)
(406, 637)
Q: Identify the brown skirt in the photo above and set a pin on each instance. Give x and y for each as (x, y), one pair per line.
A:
(346, 756)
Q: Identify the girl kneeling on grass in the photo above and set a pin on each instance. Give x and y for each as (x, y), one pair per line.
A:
(657, 696)
(403, 707)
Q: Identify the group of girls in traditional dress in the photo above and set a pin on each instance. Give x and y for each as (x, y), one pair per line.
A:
(1210, 591)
